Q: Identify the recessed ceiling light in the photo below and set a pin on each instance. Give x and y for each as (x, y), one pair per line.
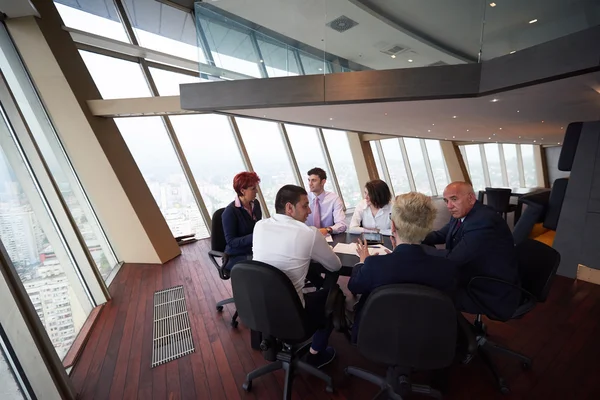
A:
(432, 124)
(454, 116)
(385, 114)
(409, 60)
(393, 56)
(493, 134)
(558, 142)
(519, 137)
(518, 111)
(542, 138)
(492, 4)
(562, 127)
(542, 122)
(490, 138)
(500, 128)
(453, 137)
(467, 130)
(533, 21)
(261, 61)
(320, 69)
(512, 52)
(264, 116)
(331, 119)
(534, 141)
(494, 100)
(428, 130)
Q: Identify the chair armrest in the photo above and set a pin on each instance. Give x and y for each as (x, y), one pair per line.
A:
(480, 303)
(213, 255)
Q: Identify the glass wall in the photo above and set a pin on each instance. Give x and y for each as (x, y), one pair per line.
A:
(498, 165)
(341, 157)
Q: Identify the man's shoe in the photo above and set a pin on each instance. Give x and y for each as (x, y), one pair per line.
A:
(322, 358)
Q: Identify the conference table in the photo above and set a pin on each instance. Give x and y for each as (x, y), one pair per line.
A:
(348, 261)
(518, 193)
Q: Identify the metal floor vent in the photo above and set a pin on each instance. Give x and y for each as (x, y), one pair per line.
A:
(172, 334)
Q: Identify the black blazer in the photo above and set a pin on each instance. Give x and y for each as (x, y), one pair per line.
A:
(238, 226)
(408, 263)
(482, 246)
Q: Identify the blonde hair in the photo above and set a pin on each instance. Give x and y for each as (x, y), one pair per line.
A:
(413, 214)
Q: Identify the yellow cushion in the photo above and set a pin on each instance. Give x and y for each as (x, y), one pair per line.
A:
(546, 238)
(537, 230)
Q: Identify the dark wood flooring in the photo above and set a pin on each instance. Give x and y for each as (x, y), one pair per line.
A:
(562, 336)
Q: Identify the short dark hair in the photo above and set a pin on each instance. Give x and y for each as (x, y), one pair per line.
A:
(379, 193)
(320, 172)
(288, 194)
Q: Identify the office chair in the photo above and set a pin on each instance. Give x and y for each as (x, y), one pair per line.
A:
(538, 264)
(268, 302)
(499, 200)
(217, 248)
(407, 327)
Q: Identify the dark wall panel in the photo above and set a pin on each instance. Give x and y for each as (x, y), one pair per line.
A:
(552, 155)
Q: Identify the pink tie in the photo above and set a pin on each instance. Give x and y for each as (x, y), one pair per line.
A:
(317, 214)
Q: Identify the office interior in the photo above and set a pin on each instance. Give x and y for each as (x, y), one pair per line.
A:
(124, 122)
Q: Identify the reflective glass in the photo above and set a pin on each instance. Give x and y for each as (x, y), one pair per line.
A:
(279, 59)
(212, 154)
(98, 17)
(512, 165)
(529, 169)
(377, 159)
(343, 163)
(396, 167)
(168, 82)
(49, 278)
(438, 165)
(417, 165)
(492, 156)
(268, 156)
(164, 28)
(153, 152)
(475, 166)
(308, 152)
(115, 78)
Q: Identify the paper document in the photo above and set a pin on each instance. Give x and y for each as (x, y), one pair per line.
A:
(350, 248)
(329, 239)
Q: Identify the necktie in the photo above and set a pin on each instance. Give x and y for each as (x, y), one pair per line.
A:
(317, 214)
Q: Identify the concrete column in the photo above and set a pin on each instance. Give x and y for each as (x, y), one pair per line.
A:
(359, 158)
(116, 188)
(454, 162)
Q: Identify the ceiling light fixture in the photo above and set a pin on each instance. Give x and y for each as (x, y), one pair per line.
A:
(393, 56)
(261, 61)
(558, 142)
(562, 127)
(385, 114)
(432, 124)
(533, 21)
(500, 128)
(534, 141)
(410, 60)
(512, 52)
(492, 4)
(453, 137)
(467, 130)
(454, 116)
(494, 100)
(331, 119)
(518, 111)
(542, 122)
(428, 130)
(490, 138)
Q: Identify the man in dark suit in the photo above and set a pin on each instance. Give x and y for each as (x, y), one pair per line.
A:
(481, 243)
(412, 218)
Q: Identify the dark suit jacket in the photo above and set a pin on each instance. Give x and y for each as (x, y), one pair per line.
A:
(406, 264)
(482, 246)
(238, 226)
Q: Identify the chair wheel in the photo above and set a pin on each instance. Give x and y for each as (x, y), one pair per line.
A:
(526, 365)
(504, 389)
(219, 308)
(234, 324)
(247, 386)
(329, 389)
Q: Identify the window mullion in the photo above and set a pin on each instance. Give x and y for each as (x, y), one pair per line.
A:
(484, 164)
(290, 152)
(334, 180)
(432, 184)
(409, 174)
(520, 166)
(503, 165)
(384, 167)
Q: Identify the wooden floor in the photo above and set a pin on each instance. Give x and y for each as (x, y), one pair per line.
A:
(562, 335)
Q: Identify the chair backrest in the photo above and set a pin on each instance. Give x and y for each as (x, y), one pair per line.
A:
(569, 146)
(408, 325)
(498, 198)
(267, 301)
(557, 197)
(538, 264)
(217, 234)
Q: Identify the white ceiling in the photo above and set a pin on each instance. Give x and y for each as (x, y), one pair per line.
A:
(540, 113)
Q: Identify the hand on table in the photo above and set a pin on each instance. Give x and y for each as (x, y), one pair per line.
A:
(362, 250)
(324, 231)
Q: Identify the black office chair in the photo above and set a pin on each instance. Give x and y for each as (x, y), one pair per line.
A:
(499, 200)
(407, 327)
(268, 303)
(538, 264)
(217, 249)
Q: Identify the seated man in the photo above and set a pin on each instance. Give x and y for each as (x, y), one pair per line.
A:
(480, 242)
(285, 242)
(412, 218)
(327, 207)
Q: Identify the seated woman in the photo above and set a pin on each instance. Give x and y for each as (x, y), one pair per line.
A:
(239, 218)
(412, 219)
(373, 213)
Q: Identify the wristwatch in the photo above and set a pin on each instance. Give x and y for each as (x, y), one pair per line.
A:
(329, 230)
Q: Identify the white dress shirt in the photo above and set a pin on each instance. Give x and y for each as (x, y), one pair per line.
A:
(290, 245)
(332, 211)
(363, 216)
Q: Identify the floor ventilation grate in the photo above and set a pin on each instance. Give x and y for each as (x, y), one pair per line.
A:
(172, 334)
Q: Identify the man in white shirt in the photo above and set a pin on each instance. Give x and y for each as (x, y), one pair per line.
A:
(286, 243)
(327, 208)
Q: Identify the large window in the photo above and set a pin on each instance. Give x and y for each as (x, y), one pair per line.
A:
(278, 58)
(44, 265)
(98, 17)
(308, 152)
(438, 165)
(10, 383)
(396, 167)
(212, 153)
(417, 165)
(495, 171)
(343, 163)
(167, 82)
(153, 152)
(268, 155)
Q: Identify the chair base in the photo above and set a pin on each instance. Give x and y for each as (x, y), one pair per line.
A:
(486, 347)
(394, 385)
(291, 363)
(219, 307)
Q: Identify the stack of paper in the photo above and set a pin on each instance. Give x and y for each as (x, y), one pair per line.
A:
(350, 248)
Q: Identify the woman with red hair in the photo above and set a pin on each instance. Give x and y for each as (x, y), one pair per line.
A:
(239, 218)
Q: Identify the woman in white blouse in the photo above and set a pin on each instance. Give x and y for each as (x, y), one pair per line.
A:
(373, 213)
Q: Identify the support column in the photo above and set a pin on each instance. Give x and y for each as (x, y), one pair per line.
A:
(116, 188)
(359, 158)
(457, 170)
